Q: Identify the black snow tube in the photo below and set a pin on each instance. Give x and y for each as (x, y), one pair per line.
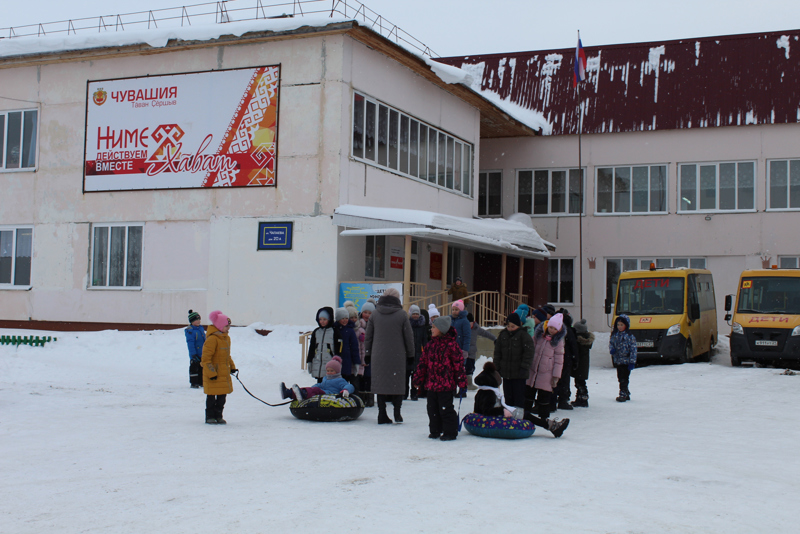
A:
(328, 408)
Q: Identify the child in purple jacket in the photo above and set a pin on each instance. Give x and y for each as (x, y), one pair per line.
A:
(332, 384)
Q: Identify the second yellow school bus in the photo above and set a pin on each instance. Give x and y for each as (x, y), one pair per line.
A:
(673, 312)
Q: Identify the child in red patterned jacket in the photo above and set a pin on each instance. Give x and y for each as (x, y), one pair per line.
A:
(441, 372)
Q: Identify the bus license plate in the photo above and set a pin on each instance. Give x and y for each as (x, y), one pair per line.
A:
(645, 344)
(766, 343)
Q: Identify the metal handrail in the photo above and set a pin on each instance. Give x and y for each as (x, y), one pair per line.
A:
(222, 12)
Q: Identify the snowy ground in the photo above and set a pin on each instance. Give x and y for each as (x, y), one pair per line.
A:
(100, 432)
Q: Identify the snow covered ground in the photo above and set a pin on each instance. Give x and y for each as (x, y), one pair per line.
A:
(100, 432)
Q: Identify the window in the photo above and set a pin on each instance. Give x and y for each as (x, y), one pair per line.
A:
(16, 251)
(788, 262)
(388, 138)
(549, 191)
(640, 189)
(117, 255)
(375, 255)
(616, 266)
(18, 139)
(561, 281)
(784, 184)
(490, 191)
(453, 263)
(717, 186)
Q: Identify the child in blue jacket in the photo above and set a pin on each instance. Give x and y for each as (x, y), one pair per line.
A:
(622, 346)
(332, 384)
(195, 337)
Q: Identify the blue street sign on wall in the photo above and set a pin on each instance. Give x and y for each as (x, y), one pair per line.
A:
(275, 236)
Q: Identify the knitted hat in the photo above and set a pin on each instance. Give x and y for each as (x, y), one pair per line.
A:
(219, 320)
(556, 321)
(539, 314)
(348, 304)
(489, 376)
(513, 318)
(335, 364)
(443, 324)
(193, 316)
(522, 310)
(580, 327)
(458, 279)
(352, 312)
(432, 311)
(459, 304)
(391, 292)
(340, 313)
(548, 309)
(368, 307)
(323, 314)
(413, 309)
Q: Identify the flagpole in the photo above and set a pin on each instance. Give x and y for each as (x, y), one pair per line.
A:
(580, 196)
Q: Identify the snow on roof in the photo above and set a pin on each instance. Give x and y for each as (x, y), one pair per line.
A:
(497, 235)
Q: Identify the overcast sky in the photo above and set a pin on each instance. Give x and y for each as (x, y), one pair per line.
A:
(464, 27)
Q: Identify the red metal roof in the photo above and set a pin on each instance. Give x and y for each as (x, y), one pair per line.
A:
(687, 83)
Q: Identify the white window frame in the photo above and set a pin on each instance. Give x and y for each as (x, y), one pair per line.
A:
(11, 284)
(488, 174)
(123, 287)
(794, 259)
(789, 162)
(698, 190)
(4, 137)
(550, 212)
(614, 212)
(466, 164)
(560, 301)
(375, 256)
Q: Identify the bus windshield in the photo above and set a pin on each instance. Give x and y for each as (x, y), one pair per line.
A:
(770, 295)
(650, 296)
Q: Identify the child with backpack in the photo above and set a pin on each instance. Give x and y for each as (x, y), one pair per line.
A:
(622, 346)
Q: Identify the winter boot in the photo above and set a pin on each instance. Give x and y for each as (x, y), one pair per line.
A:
(446, 437)
(398, 403)
(383, 417)
(286, 393)
(470, 384)
(624, 396)
(298, 393)
(414, 394)
(581, 401)
(564, 404)
(433, 436)
(210, 420)
(557, 427)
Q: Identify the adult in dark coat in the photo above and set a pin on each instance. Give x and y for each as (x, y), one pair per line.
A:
(388, 345)
(513, 357)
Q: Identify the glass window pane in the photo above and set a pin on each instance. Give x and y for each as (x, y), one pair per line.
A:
(794, 183)
(23, 253)
(540, 196)
(394, 124)
(778, 184)
(697, 263)
(483, 189)
(116, 275)
(622, 189)
(495, 193)
(552, 282)
(727, 186)
(559, 192)
(680, 262)
(605, 185)
(630, 264)
(134, 267)
(640, 184)
(788, 263)
(613, 270)
(441, 159)
(29, 140)
(383, 135)
(708, 187)
(403, 167)
(566, 281)
(664, 263)
(6, 255)
(369, 128)
(369, 255)
(658, 188)
(688, 187)
(2, 140)
(432, 155)
(457, 166)
(466, 170)
(746, 186)
(525, 191)
(13, 141)
(358, 126)
(449, 169)
(413, 166)
(100, 256)
(645, 264)
(423, 151)
(380, 250)
(575, 183)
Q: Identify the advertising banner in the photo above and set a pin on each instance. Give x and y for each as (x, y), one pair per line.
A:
(360, 292)
(202, 129)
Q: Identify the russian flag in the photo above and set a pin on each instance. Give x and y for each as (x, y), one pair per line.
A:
(580, 65)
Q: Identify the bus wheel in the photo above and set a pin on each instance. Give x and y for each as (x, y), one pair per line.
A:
(688, 354)
(735, 361)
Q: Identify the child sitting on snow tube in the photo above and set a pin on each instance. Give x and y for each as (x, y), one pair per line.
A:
(332, 384)
(329, 400)
(489, 403)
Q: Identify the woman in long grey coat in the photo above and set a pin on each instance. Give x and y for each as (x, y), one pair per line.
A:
(388, 345)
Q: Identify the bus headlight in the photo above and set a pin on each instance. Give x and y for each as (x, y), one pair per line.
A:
(796, 331)
(674, 329)
(737, 328)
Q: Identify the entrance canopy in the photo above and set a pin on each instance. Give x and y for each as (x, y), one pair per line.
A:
(499, 236)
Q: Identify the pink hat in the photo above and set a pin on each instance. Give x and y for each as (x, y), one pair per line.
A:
(335, 364)
(219, 320)
(459, 304)
(556, 321)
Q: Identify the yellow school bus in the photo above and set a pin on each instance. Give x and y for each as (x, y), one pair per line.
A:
(673, 312)
(766, 320)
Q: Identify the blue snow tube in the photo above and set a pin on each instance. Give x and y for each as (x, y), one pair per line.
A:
(328, 408)
(498, 427)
